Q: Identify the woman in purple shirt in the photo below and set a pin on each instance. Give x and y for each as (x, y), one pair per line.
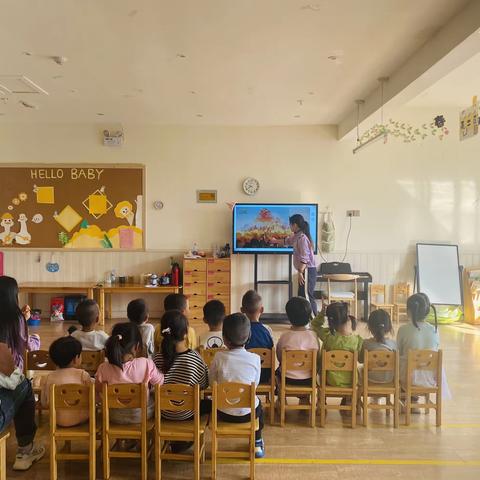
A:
(303, 259)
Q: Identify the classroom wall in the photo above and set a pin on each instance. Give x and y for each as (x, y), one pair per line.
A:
(405, 192)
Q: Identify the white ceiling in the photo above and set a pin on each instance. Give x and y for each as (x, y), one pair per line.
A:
(455, 89)
(208, 62)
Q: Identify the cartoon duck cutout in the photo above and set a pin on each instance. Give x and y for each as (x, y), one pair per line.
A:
(23, 237)
(7, 236)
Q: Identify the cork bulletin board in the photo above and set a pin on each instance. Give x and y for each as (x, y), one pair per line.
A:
(86, 207)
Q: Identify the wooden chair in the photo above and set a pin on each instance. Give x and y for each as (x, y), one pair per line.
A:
(36, 365)
(424, 360)
(298, 360)
(377, 291)
(401, 291)
(380, 361)
(233, 395)
(120, 396)
(72, 397)
(338, 361)
(349, 297)
(3, 455)
(178, 398)
(208, 354)
(91, 360)
(267, 359)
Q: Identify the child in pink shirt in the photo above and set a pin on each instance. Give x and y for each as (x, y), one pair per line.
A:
(298, 337)
(65, 353)
(123, 366)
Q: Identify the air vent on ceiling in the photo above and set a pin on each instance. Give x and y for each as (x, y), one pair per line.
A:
(19, 84)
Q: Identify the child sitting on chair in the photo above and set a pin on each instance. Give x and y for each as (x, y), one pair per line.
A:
(124, 366)
(299, 337)
(175, 301)
(261, 335)
(419, 335)
(65, 353)
(137, 312)
(213, 315)
(238, 365)
(380, 326)
(87, 314)
(338, 336)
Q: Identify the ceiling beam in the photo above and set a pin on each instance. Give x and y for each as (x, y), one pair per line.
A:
(449, 48)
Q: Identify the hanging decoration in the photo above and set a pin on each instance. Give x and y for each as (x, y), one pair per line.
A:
(408, 133)
(401, 130)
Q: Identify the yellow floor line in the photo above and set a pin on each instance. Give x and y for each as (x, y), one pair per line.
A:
(347, 461)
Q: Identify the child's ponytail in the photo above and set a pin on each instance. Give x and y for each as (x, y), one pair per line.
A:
(380, 324)
(174, 327)
(124, 339)
(418, 305)
(337, 315)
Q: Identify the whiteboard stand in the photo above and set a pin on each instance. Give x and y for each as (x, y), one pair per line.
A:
(438, 273)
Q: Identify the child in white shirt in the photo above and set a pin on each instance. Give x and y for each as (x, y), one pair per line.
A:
(137, 312)
(87, 314)
(213, 315)
(238, 365)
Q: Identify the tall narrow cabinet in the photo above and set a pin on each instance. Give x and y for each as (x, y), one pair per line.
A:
(205, 279)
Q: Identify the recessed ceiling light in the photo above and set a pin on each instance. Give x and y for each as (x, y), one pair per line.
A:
(296, 116)
(332, 57)
(181, 55)
(73, 90)
(28, 54)
(193, 92)
(300, 101)
(200, 115)
(132, 13)
(59, 60)
(100, 114)
(57, 77)
(315, 7)
(311, 93)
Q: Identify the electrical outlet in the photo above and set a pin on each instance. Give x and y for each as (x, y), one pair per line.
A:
(353, 213)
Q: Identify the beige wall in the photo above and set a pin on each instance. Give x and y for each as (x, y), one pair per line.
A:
(406, 192)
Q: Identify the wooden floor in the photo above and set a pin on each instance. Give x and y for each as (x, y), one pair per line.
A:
(420, 451)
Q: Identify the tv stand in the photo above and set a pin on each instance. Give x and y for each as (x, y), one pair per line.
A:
(274, 317)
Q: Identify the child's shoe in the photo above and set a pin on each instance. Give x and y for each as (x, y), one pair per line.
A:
(26, 458)
(259, 448)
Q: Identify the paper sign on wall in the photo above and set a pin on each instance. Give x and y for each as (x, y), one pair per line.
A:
(45, 195)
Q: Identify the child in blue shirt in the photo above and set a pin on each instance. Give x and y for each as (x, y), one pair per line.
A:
(261, 335)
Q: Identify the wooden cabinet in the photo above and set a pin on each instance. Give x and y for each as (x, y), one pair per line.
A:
(206, 279)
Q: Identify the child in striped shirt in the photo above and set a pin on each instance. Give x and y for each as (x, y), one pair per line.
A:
(179, 363)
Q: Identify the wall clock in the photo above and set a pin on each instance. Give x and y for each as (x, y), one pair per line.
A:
(251, 186)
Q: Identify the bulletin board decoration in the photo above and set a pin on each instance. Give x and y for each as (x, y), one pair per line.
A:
(84, 207)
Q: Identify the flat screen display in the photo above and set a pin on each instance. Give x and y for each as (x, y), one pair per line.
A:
(262, 227)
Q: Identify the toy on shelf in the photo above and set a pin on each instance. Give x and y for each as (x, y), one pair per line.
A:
(57, 307)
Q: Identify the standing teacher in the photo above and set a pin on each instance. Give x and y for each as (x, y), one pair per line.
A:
(303, 258)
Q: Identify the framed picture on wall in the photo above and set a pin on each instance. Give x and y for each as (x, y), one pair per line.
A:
(206, 196)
